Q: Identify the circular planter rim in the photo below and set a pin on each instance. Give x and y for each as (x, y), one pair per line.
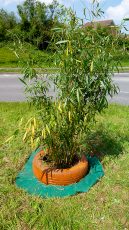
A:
(67, 176)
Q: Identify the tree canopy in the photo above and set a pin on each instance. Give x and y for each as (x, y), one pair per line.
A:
(33, 24)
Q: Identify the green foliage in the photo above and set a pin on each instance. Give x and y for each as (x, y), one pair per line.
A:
(37, 20)
(33, 17)
(85, 58)
(34, 25)
(7, 22)
(17, 54)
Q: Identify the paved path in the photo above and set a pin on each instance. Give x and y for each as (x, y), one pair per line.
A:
(11, 89)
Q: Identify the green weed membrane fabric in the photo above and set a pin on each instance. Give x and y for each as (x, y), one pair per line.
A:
(27, 181)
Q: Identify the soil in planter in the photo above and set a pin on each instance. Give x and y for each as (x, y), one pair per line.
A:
(48, 162)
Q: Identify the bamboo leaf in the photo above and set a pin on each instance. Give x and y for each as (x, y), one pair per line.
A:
(34, 122)
(33, 130)
(126, 19)
(59, 107)
(28, 121)
(44, 133)
(22, 81)
(56, 28)
(9, 139)
(78, 97)
(61, 42)
(84, 12)
(67, 51)
(48, 130)
(32, 142)
(91, 67)
(125, 28)
(24, 137)
(69, 115)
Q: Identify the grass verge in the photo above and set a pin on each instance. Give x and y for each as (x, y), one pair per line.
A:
(105, 206)
(9, 56)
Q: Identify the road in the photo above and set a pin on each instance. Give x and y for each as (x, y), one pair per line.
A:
(11, 88)
(122, 80)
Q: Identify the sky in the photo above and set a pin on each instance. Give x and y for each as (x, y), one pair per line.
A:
(114, 9)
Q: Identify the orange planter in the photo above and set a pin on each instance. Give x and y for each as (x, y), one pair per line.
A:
(59, 176)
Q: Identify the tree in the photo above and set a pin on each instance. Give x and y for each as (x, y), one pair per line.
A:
(37, 20)
(8, 22)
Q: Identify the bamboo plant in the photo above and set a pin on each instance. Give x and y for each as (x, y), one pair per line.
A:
(85, 58)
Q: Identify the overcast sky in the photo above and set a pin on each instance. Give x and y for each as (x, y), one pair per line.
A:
(114, 9)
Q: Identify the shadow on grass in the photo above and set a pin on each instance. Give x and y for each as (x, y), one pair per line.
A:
(103, 143)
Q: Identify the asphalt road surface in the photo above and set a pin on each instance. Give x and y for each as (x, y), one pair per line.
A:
(122, 80)
(11, 88)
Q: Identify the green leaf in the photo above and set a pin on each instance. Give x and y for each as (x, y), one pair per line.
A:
(56, 28)
(9, 139)
(78, 97)
(126, 19)
(85, 12)
(22, 81)
(125, 28)
(61, 42)
(91, 67)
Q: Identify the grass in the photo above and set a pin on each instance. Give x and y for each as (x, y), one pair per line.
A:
(125, 63)
(124, 59)
(8, 59)
(105, 206)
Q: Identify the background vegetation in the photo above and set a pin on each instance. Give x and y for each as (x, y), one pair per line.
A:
(9, 55)
(34, 25)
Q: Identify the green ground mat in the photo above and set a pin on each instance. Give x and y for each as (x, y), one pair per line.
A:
(27, 181)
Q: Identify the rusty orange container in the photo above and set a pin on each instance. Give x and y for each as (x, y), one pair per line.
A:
(47, 175)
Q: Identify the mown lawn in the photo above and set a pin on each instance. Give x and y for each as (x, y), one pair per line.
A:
(104, 207)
